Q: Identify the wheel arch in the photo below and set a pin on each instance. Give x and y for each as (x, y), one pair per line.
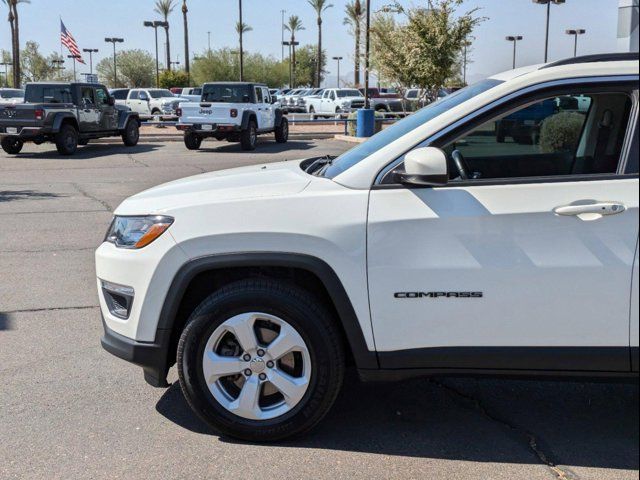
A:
(247, 116)
(62, 118)
(202, 276)
(124, 117)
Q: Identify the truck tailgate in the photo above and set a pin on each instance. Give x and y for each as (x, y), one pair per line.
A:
(199, 113)
(19, 115)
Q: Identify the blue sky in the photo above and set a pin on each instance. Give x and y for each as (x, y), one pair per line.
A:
(91, 20)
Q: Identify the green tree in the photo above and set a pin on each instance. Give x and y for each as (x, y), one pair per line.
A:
(35, 67)
(13, 19)
(320, 6)
(174, 78)
(293, 25)
(164, 8)
(307, 66)
(136, 68)
(355, 19)
(424, 51)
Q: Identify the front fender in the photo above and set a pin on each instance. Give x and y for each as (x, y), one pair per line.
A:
(123, 118)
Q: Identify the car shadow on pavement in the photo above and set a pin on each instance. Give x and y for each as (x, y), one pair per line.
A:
(5, 321)
(507, 421)
(90, 151)
(267, 146)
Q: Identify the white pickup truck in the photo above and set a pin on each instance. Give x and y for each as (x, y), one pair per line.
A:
(151, 102)
(232, 111)
(335, 102)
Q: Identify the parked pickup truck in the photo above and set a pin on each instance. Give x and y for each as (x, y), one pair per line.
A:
(68, 114)
(335, 102)
(236, 112)
(192, 94)
(385, 102)
(151, 102)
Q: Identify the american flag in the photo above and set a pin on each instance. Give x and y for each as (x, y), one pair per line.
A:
(68, 41)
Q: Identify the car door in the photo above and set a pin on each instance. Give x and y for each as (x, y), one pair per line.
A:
(134, 102)
(268, 110)
(88, 112)
(526, 263)
(108, 112)
(260, 107)
(144, 102)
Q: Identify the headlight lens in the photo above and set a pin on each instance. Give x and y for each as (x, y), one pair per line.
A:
(346, 103)
(137, 232)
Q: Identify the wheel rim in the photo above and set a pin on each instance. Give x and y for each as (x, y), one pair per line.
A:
(70, 141)
(256, 366)
(133, 132)
(253, 136)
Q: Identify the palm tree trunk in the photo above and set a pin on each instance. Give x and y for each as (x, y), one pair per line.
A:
(16, 48)
(293, 60)
(356, 75)
(166, 31)
(319, 73)
(186, 38)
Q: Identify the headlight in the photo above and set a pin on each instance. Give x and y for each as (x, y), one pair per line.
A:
(137, 232)
(346, 104)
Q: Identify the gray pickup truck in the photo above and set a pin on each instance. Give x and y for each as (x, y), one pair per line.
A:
(67, 114)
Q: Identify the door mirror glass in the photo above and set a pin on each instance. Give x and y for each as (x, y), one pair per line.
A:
(144, 97)
(426, 166)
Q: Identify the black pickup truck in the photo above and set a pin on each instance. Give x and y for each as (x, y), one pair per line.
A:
(67, 114)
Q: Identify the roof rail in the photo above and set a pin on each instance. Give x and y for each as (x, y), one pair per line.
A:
(600, 57)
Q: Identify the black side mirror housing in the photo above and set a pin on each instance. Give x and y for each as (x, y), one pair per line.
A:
(111, 101)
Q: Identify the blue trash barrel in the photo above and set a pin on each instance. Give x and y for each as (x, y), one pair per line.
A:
(365, 122)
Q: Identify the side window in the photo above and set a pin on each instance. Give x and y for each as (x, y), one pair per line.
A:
(102, 96)
(632, 162)
(561, 135)
(135, 95)
(332, 95)
(325, 94)
(259, 98)
(88, 98)
(265, 95)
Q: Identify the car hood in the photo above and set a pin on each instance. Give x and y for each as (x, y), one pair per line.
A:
(342, 99)
(257, 181)
(172, 99)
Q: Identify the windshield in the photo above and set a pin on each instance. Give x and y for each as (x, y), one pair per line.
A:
(401, 128)
(160, 93)
(226, 93)
(348, 93)
(12, 93)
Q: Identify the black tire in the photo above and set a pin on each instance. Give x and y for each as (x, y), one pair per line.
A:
(67, 140)
(305, 314)
(282, 131)
(312, 110)
(249, 136)
(192, 141)
(12, 145)
(131, 133)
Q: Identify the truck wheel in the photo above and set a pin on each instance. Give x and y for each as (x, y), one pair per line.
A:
(82, 142)
(192, 141)
(131, 133)
(312, 112)
(261, 360)
(282, 131)
(67, 140)
(12, 146)
(249, 136)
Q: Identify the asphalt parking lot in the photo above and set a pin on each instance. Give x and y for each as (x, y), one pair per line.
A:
(70, 410)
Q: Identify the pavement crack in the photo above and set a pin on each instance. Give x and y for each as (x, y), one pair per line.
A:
(530, 438)
(91, 197)
(136, 161)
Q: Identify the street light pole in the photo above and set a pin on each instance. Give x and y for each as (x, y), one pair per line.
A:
(155, 24)
(366, 56)
(114, 40)
(282, 32)
(515, 39)
(90, 51)
(575, 32)
(337, 59)
(291, 46)
(546, 38)
(75, 57)
(241, 49)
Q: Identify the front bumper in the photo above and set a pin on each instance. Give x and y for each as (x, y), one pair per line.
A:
(151, 356)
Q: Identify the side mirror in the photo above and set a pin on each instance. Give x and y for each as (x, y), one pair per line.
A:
(143, 97)
(111, 101)
(426, 166)
(274, 99)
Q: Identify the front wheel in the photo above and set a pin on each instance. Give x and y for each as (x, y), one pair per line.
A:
(192, 141)
(131, 133)
(249, 136)
(67, 140)
(282, 131)
(261, 360)
(12, 145)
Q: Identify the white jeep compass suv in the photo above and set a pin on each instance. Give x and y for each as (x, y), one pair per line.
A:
(446, 244)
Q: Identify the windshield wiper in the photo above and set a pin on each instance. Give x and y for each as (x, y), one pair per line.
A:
(319, 165)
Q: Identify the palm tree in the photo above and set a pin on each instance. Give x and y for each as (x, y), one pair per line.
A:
(242, 28)
(355, 17)
(185, 22)
(164, 8)
(293, 25)
(319, 6)
(15, 37)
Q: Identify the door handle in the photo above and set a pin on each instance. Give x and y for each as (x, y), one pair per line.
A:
(591, 209)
